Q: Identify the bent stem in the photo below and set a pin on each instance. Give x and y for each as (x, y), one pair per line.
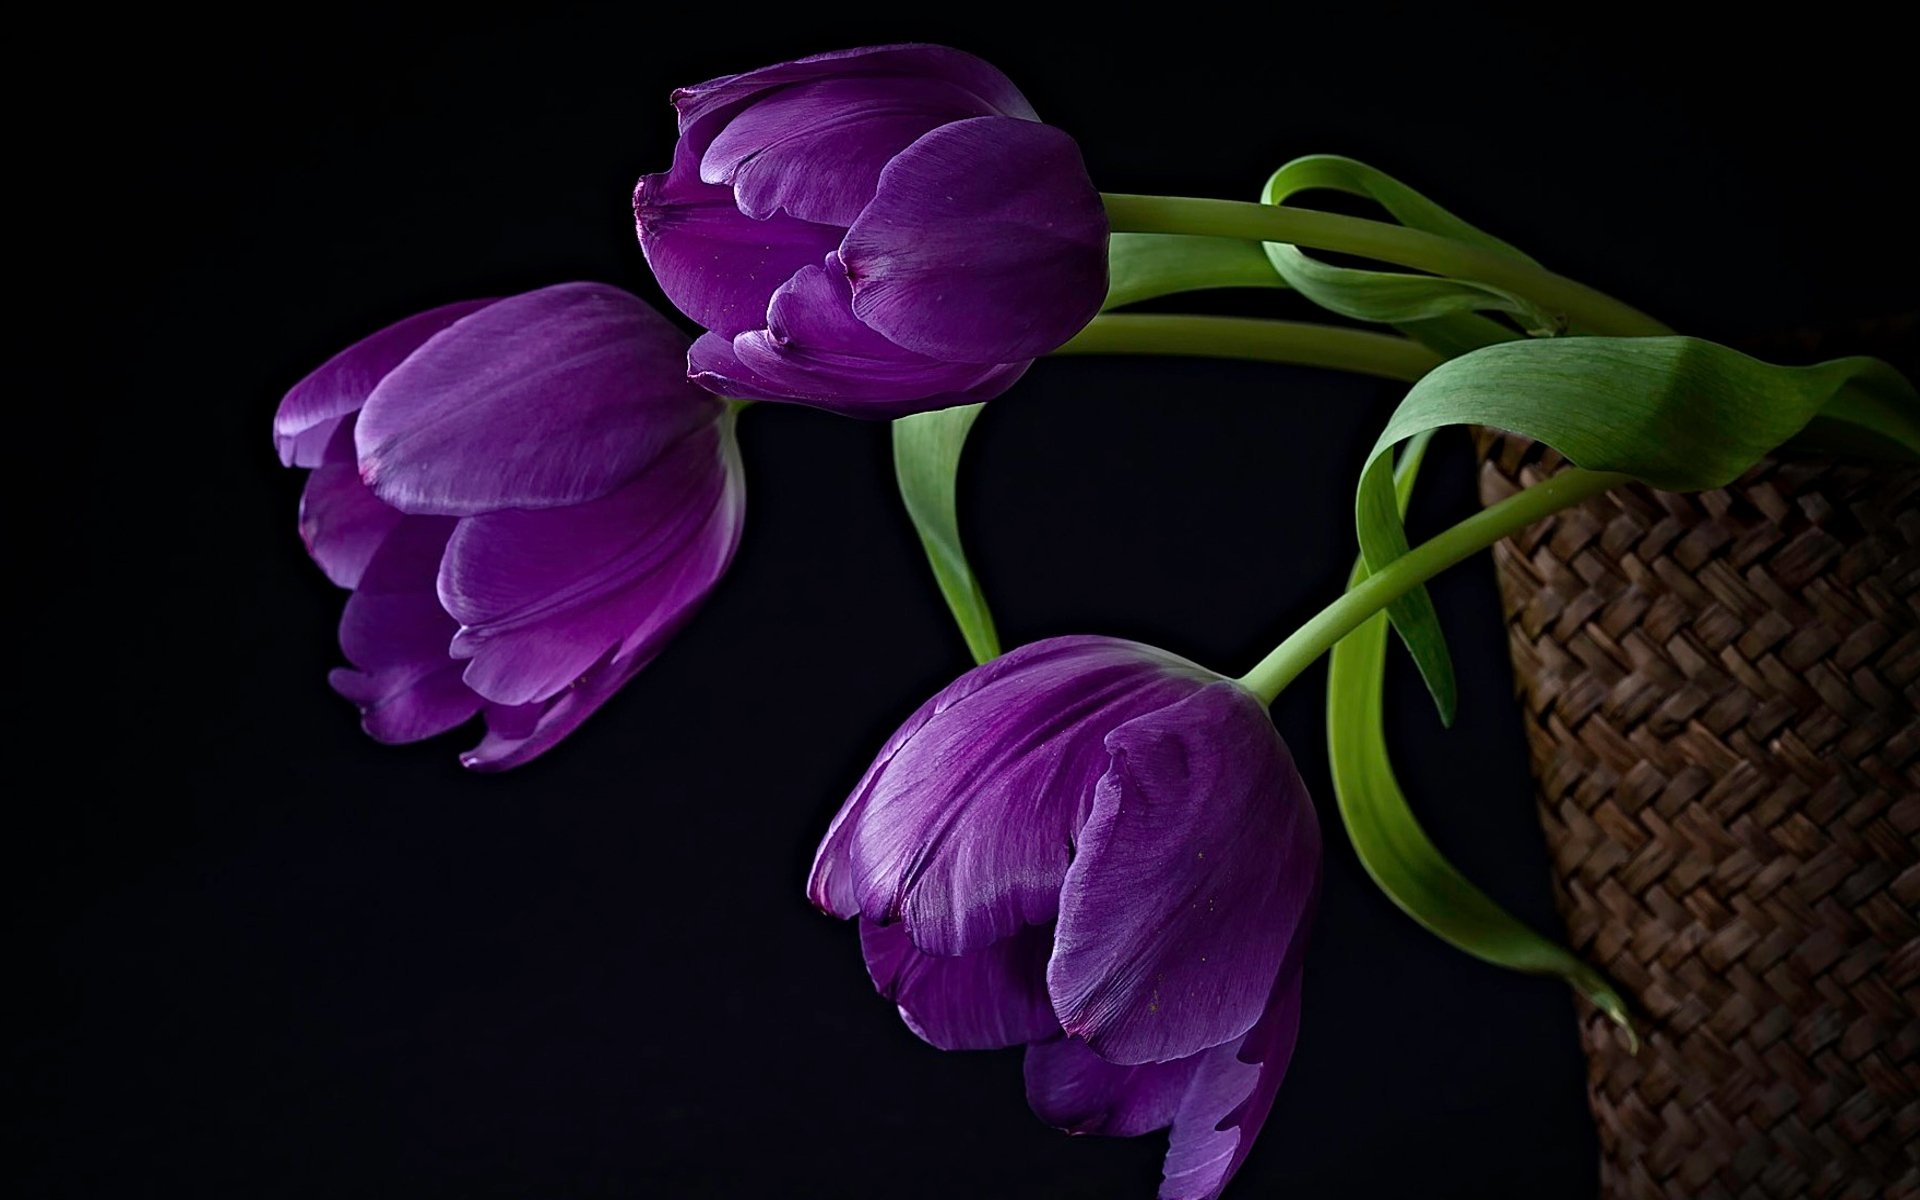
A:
(1272, 674)
(1582, 306)
(1300, 342)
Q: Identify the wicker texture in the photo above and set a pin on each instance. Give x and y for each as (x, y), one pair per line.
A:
(1724, 701)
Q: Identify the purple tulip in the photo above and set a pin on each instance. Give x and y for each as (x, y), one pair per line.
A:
(877, 232)
(527, 499)
(1104, 852)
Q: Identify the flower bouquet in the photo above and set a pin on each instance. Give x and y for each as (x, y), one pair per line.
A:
(1088, 847)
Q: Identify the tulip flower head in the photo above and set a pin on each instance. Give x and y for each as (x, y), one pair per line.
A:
(877, 232)
(1103, 852)
(526, 498)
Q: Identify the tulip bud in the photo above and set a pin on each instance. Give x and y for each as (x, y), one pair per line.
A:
(1104, 852)
(526, 498)
(877, 232)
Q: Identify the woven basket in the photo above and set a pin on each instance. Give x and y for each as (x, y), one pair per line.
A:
(1723, 702)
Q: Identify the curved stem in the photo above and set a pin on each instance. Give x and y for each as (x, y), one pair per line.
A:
(1581, 305)
(1301, 342)
(1273, 673)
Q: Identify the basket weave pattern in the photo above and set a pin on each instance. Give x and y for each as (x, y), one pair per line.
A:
(1724, 701)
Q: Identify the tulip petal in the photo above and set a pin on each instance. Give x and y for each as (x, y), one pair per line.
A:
(815, 149)
(985, 242)
(993, 997)
(541, 400)
(1072, 1088)
(657, 606)
(400, 573)
(396, 708)
(1194, 871)
(964, 826)
(815, 351)
(1230, 1097)
(312, 409)
(542, 596)
(830, 885)
(980, 78)
(518, 734)
(395, 632)
(719, 266)
(342, 522)
(1216, 1101)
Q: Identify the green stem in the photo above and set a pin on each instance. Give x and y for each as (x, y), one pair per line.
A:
(1301, 342)
(1385, 242)
(1274, 672)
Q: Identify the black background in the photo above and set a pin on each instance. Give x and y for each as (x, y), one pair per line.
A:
(266, 957)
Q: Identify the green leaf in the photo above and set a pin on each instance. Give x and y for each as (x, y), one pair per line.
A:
(926, 461)
(1443, 314)
(1841, 438)
(1681, 414)
(1144, 266)
(1393, 848)
(1678, 413)
(1457, 333)
(1393, 297)
(1877, 412)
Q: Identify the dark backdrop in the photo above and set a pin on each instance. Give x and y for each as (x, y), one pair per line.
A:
(266, 957)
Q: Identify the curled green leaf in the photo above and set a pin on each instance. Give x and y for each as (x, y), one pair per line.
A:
(1394, 297)
(1389, 841)
(1443, 314)
(1678, 413)
(1397, 853)
(926, 461)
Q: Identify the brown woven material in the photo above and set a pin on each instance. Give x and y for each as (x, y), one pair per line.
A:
(1723, 693)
